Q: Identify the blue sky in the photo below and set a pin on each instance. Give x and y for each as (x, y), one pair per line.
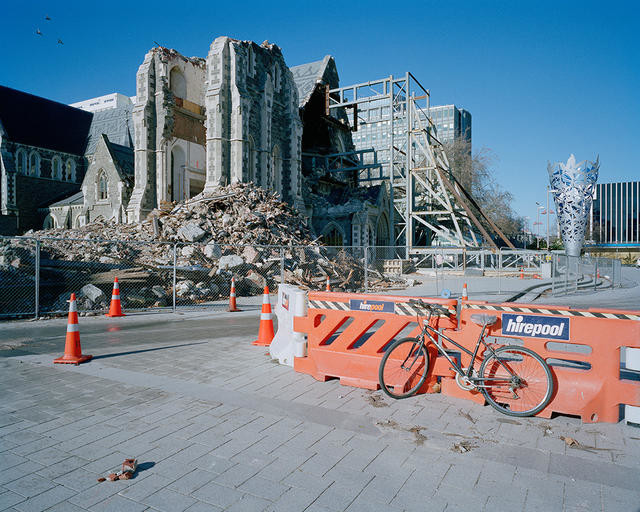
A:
(541, 79)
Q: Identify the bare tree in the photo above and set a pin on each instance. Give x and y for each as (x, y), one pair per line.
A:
(473, 171)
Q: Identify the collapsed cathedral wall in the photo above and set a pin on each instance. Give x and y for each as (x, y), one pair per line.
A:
(169, 106)
(253, 123)
(240, 104)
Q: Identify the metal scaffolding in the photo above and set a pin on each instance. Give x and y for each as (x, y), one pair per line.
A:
(426, 199)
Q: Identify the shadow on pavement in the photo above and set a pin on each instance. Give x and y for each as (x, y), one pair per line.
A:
(147, 350)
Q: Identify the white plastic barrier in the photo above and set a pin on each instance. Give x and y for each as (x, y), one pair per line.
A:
(631, 361)
(287, 344)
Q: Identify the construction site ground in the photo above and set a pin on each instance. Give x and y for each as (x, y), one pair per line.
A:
(216, 425)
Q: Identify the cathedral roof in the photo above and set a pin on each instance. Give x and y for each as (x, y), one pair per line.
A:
(42, 123)
(116, 123)
(74, 200)
(307, 76)
(123, 157)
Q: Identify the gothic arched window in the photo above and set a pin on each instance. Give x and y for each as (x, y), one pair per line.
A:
(56, 168)
(103, 186)
(34, 164)
(21, 161)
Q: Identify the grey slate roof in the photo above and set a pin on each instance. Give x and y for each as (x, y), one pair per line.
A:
(42, 123)
(116, 123)
(74, 200)
(306, 76)
(123, 157)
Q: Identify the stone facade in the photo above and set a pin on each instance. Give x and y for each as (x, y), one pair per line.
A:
(30, 178)
(108, 183)
(168, 118)
(199, 124)
(106, 189)
(254, 129)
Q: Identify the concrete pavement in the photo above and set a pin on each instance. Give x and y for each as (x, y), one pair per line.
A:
(216, 425)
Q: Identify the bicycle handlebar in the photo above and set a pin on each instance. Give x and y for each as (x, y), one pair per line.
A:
(431, 308)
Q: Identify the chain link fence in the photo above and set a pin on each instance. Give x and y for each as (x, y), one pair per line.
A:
(37, 276)
(575, 274)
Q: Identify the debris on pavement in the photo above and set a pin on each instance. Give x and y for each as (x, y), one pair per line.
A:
(128, 471)
(420, 438)
(467, 416)
(375, 400)
(463, 447)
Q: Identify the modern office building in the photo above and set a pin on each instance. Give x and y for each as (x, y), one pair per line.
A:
(451, 122)
(615, 214)
(374, 128)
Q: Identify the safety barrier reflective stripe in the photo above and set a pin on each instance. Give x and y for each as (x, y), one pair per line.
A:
(583, 347)
(584, 357)
(353, 354)
(550, 311)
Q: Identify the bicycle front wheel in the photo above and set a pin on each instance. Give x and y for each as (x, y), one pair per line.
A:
(516, 381)
(403, 368)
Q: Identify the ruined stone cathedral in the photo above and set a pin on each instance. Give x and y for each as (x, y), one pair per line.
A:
(240, 115)
(201, 123)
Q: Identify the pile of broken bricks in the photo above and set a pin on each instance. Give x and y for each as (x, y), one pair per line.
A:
(238, 230)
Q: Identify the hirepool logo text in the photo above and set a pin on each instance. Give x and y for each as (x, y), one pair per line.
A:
(552, 328)
(378, 306)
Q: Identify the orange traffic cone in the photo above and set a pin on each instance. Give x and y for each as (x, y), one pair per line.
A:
(521, 272)
(232, 296)
(265, 334)
(465, 296)
(115, 309)
(72, 348)
(328, 287)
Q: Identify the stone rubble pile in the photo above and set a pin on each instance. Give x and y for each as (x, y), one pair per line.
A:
(239, 230)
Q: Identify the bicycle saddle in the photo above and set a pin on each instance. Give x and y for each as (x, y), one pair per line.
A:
(484, 319)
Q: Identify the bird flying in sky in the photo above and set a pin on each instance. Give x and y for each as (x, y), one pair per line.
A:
(38, 32)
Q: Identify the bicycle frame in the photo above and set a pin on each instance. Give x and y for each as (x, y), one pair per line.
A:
(426, 332)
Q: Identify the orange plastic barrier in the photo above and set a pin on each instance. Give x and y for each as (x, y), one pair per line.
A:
(581, 346)
(347, 334)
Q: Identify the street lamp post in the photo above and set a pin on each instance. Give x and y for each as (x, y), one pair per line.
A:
(540, 207)
(524, 232)
(549, 190)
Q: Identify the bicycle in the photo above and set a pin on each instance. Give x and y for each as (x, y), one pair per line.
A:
(514, 380)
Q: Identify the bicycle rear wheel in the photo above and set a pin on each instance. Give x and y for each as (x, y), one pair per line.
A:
(524, 393)
(403, 368)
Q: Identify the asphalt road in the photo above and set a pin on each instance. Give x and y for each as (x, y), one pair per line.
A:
(107, 334)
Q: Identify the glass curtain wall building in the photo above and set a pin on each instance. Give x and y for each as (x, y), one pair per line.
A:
(451, 123)
(374, 128)
(615, 214)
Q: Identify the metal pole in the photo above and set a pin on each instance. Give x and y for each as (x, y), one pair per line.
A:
(500, 271)
(392, 196)
(566, 276)
(175, 262)
(366, 268)
(538, 226)
(282, 265)
(553, 275)
(37, 278)
(548, 247)
(408, 232)
(595, 276)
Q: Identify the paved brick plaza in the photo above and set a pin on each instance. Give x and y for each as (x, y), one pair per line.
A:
(215, 425)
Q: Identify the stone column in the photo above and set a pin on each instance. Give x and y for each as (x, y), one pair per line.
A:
(144, 120)
(218, 112)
